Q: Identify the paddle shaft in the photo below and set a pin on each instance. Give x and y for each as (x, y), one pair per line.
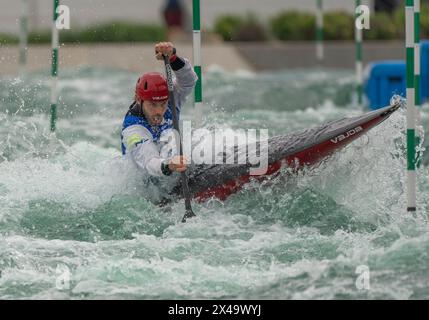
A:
(186, 193)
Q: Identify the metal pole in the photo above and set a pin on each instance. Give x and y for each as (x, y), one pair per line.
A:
(417, 50)
(359, 66)
(319, 31)
(196, 9)
(417, 69)
(411, 99)
(54, 67)
(23, 37)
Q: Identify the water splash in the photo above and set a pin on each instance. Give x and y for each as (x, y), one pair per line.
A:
(70, 200)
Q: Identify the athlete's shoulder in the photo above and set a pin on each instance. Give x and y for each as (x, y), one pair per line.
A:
(131, 120)
(133, 117)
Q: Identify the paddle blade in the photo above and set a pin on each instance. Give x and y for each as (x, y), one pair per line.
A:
(188, 214)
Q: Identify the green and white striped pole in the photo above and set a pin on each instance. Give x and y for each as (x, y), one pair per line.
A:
(411, 114)
(417, 50)
(319, 31)
(359, 65)
(196, 9)
(417, 67)
(23, 37)
(54, 66)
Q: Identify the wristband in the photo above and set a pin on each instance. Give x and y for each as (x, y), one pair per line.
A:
(165, 169)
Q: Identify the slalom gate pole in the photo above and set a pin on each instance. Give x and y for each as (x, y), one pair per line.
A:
(411, 99)
(358, 63)
(23, 37)
(196, 9)
(417, 70)
(54, 67)
(319, 31)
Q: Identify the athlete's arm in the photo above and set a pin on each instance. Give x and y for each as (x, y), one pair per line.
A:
(139, 145)
(186, 78)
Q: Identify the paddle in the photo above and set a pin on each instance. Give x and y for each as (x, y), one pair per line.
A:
(189, 213)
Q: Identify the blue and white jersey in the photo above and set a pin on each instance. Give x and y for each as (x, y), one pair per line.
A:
(145, 143)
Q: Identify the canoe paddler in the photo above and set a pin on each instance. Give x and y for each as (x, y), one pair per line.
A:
(150, 118)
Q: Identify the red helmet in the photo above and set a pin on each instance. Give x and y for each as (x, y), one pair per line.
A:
(152, 87)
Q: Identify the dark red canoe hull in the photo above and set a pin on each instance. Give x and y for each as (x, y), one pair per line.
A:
(295, 150)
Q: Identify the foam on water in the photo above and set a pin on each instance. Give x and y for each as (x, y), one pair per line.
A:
(70, 201)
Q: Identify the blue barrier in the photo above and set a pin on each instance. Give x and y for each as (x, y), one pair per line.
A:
(385, 79)
(424, 71)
